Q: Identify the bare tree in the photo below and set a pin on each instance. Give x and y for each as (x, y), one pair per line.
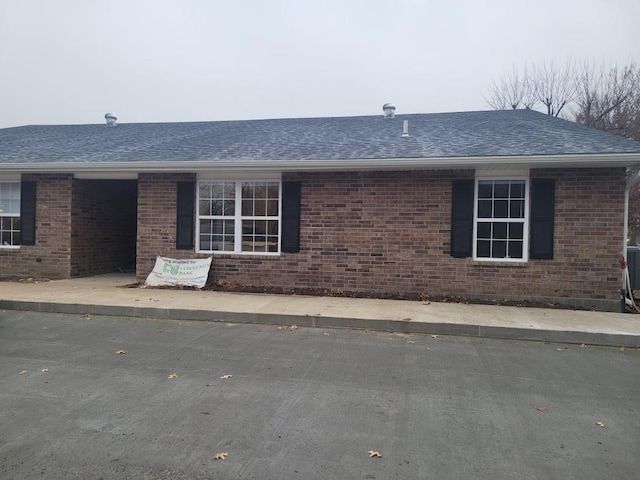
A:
(554, 86)
(512, 91)
(608, 99)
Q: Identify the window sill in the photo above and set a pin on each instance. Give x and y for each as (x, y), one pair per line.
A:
(217, 253)
(500, 263)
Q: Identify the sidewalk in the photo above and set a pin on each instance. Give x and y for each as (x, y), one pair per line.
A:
(104, 295)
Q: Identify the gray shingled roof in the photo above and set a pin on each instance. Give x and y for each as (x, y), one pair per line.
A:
(465, 134)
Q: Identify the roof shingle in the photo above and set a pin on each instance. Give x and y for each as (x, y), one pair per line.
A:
(463, 134)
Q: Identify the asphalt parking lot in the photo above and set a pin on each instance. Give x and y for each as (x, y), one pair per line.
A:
(90, 397)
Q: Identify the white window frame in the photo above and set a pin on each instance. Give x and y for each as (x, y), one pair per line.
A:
(238, 217)
(496, 176)
(8, 181)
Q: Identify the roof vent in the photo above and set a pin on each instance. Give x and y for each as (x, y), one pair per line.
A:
(405, 128)
(389, 110)
(111, 119)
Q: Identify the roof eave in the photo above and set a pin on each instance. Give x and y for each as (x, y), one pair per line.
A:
(433, 163)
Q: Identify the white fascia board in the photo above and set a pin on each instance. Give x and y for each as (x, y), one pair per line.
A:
(434, 163)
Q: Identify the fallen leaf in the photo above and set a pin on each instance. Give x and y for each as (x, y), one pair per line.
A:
(225, 377)
(541, 408)
(583, 345)
(120, 352)
(600, 424)
(172, 376)
(87, 316)
(220, 456)
(24, 372)
(435, 336)
(373, 453)
(45, 370)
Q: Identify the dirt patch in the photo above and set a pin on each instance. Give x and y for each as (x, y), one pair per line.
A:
(234, 286)
(24, 280)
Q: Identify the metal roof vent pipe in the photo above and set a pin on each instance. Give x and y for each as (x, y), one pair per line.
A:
(405, 128)
(110, 119)
(389, 110)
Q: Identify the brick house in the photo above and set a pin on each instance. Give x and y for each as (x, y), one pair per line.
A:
(488, 205)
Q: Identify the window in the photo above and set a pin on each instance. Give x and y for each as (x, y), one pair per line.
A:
(501, 220)
(239, 217)
(9, 214)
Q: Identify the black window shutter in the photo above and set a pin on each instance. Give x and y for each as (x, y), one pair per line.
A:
(184, 209)
(462, 218)
(291, 197)
(542, 217)
(28, 213)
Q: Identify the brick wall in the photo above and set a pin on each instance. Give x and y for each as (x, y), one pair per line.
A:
(103, 226)
(387, 232)
(50, 256)
(157, 219)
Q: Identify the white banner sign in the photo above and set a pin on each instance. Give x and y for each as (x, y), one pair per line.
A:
(171, 272)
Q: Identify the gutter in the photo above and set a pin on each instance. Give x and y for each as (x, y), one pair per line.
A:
(300, 165)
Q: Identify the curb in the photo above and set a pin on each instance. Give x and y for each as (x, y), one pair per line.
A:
(316, 321)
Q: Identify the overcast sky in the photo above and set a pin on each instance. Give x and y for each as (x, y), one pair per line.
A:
(71, 61)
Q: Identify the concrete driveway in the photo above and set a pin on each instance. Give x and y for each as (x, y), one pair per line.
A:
(305, 403)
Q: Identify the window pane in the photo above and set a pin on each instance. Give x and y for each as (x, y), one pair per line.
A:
(216, 190)
(517, 189)
(484, 248)
(248, 190)
(501, 209)
(515, 249)
(484, 230)
(500, 231)
(229, 208)
(485, 189)
(205, 226)
(501, 189)
(499, 249)
(484, 208)
(517, 209)
(260, 190)
(205, 207)
(9, 198)
(272, 191)
(272, 208)
(247, 207)
(260, 208)
(204, 191)
(516, 231)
